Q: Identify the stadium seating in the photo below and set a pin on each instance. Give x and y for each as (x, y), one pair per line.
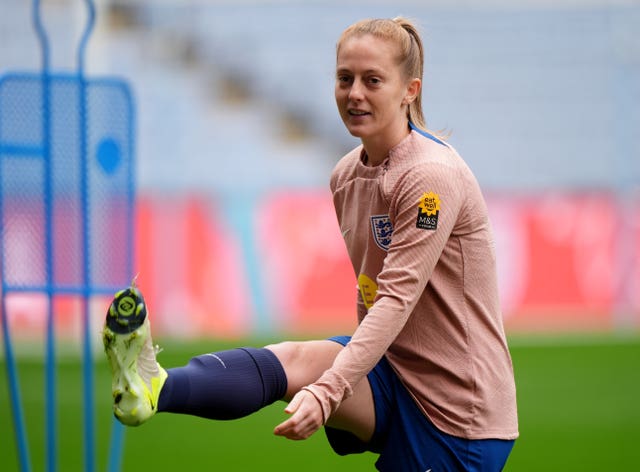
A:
(534, 97)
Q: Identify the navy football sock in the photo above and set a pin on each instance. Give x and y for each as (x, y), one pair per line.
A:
(224, 385)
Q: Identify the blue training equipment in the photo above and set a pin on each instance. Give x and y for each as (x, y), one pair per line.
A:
(66, 212)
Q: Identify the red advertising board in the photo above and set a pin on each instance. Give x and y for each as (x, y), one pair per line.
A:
(565, 262)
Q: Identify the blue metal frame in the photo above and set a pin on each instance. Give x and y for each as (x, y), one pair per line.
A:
(87, 287)
(87, 357)
(50, 358)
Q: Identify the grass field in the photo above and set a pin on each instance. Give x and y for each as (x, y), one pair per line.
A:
(578, 408)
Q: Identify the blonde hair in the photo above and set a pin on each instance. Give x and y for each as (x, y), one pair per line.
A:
(404, 34)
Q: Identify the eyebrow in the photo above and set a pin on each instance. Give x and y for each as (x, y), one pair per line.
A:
(366, 72)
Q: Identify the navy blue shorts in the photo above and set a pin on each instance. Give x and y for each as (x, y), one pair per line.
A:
(405, 438)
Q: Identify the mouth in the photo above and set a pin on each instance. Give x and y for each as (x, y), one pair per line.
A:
(355, 112)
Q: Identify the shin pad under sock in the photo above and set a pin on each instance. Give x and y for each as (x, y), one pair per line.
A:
(224, 385)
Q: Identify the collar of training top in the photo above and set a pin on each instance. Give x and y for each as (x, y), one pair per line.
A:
(425, 134)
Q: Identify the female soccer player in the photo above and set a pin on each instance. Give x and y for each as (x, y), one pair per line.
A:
(426, 380)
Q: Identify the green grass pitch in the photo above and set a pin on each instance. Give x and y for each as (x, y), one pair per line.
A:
(578, 410)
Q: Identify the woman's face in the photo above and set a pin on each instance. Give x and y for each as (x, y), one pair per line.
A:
(371, 93)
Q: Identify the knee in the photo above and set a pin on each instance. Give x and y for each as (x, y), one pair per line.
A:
(289, 353)
(297, 361)
(304, 361)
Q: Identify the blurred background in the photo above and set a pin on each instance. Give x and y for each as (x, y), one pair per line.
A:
(236, 133)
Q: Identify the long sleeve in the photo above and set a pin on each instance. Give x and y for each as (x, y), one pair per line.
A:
(408, 265)
(418, 235)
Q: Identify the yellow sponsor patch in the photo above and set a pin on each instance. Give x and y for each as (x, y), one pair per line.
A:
(428, 211)
(368, 290)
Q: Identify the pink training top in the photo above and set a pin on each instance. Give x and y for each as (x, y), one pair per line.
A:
(419, 238)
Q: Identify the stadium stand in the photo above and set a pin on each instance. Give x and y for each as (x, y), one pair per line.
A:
(534, 96)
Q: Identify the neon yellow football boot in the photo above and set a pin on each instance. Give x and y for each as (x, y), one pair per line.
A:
(137, 378)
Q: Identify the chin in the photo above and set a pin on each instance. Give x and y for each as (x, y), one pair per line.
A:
(356, 131)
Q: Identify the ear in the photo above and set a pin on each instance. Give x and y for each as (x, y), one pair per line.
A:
(413, 90)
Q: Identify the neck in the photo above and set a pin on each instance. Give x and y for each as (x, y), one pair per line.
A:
(373, 160)
(377, 149)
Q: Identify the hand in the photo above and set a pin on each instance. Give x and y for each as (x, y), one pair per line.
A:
(306, 417)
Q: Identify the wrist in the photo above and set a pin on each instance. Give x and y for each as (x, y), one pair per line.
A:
(329, 390)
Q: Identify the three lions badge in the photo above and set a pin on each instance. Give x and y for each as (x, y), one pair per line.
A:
(382, 231)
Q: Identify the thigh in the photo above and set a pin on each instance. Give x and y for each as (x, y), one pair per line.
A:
(414, 443)
(305, 361)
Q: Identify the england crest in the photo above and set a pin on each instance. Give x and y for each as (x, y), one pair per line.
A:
(382, 230)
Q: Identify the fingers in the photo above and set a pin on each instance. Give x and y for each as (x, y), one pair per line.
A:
(294, 403)
(306, 417)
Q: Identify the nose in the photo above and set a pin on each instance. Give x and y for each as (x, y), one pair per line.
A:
(356, 90)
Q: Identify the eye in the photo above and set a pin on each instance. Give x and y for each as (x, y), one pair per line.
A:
(343, 78)
(373, 80)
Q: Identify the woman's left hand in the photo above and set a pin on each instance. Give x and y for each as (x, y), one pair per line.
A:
(306, 417)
